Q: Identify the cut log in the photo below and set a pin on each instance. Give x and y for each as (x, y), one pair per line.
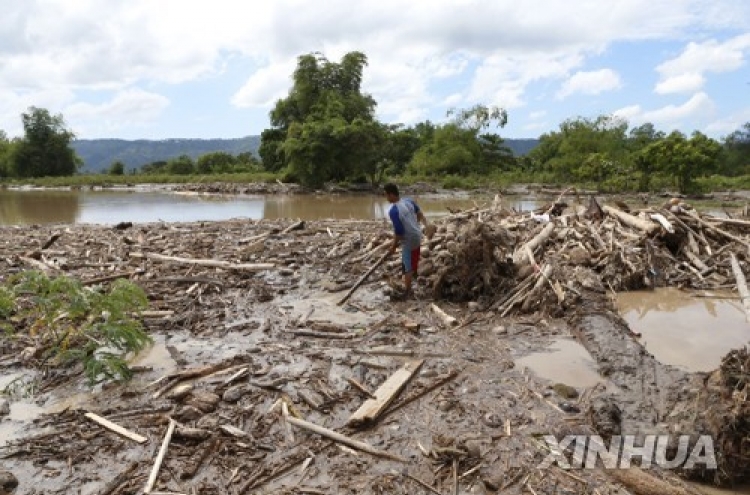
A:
(385, 394)
(448, 320)
(116, 428)
(521, 255)
(250, 267)
(741, 284)
(343, 439)
(363, 278)
(630, 220)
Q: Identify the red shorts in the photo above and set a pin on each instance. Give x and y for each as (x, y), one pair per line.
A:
(410, 260)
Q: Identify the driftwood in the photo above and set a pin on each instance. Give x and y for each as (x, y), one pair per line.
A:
(522, 254)
(363, 278)
(631, 221)
(116, 428)
(343, 439)
(447, 319)
(160, 457)
(250, 267)
(121, 478)
(384, 395)
(741, 285)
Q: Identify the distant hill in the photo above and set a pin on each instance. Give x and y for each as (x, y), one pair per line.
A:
(521, 147)
(99, 154)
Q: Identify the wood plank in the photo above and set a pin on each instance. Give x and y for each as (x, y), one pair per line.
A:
(116, 428)
(384, 395)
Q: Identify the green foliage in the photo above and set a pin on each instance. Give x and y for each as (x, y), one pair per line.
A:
(117, 168)
(73, 323)
(684, 159)
(182, 165)
(45, 149)
(325, 129)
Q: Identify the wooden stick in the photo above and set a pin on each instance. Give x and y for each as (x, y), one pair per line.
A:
(250, 267)
(447, 319)
(116, 428)
(322, 335)
(343, 439)
(160, 458)
(630, 220)
(384, 395)
(741, 284)
(719, 231)
(521, 255)
(363, 278)
(354, 383)
(119, 479)
(663, 221)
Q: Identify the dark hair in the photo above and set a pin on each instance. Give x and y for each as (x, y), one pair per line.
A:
(391, 188)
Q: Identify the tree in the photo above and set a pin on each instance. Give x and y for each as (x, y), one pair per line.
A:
(182, 165)
(325, 128)
(639, 139)
(737, 147)
(45, 149)
(117, 168)
(458, 148)
(217, 162)
(6, 151)
(684, 159)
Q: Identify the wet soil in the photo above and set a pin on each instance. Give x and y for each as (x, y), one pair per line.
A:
(469, 421)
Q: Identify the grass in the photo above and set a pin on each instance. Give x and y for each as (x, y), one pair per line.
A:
(103, 180)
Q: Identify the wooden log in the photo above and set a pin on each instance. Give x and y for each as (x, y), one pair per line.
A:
(521, 255)
(663, 221)
(545, 274)
(121, 478)
(741, 284)
(725, 221)
(354, 383)
(251, 267)
(719, 231)
(160, 457)
(116, 428)
(695, 260)
(321, 335)
(343, 439)
(630, 220)
(385, 394)
(448, 320)
(363, 278)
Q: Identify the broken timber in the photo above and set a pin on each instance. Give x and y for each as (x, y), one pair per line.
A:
(250, 267)
(741, 284)
(385, 394)
(363, 278)
(116, 428)
(631, 221)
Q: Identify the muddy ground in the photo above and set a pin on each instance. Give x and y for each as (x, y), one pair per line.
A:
(469, 421)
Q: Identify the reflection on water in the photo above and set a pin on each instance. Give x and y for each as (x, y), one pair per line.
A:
(566, 362)
(682, 330)
(110, 207)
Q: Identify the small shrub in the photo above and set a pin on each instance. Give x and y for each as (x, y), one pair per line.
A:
(72, 323)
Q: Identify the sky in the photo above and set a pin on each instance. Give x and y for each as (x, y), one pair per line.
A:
(161, 69)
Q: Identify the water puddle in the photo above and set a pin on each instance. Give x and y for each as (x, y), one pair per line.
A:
(156, 357)
(566, 361)
(691, 332)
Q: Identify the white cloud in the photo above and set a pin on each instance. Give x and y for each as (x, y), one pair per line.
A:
(590, 83)
(265, 86)
(131, 107)
(696, 111)
(689, 82)
(684, 73)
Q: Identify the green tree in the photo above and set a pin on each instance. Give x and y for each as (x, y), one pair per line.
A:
(736, 160)
(117, 168)
(323, 130)
(182, 165)
(639, 139)
(684, 159)
(458, 148)
(6, 151)
(218, 162)
(45, 149)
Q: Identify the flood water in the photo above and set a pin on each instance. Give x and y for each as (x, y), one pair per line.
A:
(27, 207)
(565, 361)
(678, 328)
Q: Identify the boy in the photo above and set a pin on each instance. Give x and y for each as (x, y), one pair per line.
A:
(405, 216)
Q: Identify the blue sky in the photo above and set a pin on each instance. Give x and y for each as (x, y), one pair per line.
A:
(159, 69)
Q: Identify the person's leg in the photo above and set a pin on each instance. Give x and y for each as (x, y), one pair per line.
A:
(412, 269)
(406, 262)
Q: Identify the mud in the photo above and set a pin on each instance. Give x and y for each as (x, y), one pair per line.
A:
(469, 421)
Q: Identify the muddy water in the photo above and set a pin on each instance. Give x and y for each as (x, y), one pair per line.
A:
(565, 361)
(686, 331)
(24, 207)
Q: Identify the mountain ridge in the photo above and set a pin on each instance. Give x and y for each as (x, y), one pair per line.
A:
(99, 154)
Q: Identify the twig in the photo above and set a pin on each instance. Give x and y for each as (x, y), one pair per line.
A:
(160, 458)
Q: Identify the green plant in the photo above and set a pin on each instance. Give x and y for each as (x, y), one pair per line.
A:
(73, 323)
